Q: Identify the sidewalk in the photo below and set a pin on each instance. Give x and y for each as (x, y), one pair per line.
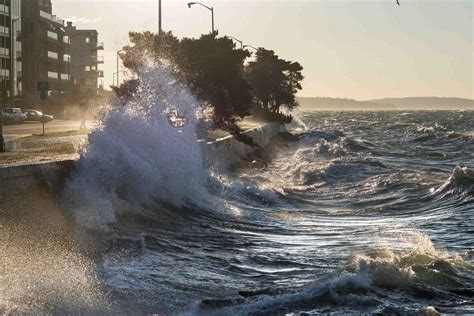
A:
(65, 144)
(38, 148)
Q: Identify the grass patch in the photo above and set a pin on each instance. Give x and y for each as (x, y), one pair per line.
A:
(56, 151)
(54, 135)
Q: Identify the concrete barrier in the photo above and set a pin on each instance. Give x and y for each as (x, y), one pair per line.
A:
(225, 151)
(15, 178)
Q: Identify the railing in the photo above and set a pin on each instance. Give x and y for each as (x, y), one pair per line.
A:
(51, 17)
(4, 30)
(4, 51)
(53, 75)
(4, 8)
(98, 59)
(52, 35)
(52, 55)
(4, 73)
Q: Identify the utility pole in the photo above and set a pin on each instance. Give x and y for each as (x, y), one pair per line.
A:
(118, 70)
(160, 30)
(2, 141)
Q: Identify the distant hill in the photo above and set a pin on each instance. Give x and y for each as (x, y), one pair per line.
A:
(414, 103)
(325, 103)
(428, 103)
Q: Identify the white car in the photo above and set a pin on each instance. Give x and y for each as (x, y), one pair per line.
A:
(13, 116)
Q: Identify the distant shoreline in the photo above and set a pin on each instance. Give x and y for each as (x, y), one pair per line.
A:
(307, 109)
(389, 104)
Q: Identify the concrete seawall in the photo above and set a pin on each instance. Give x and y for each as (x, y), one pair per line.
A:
(225, 152)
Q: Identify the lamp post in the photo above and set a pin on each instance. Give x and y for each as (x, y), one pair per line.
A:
(71, 83)
(205, 6)
(237, 40)
(250, 46)
(2, 93)
(13, 61)
(113, 80)
(159, 17)
(118, 72)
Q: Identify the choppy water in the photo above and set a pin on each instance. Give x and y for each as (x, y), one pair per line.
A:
(369, 212)
(363, 214)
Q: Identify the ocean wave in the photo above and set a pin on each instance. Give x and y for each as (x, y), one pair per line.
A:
(422, 272)
(137, 156)
(460, 182)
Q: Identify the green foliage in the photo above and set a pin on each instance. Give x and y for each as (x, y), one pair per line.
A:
(275, 81)
(211, 66)
(214, 70)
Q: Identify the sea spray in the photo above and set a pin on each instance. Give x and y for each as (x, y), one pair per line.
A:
(137, 156)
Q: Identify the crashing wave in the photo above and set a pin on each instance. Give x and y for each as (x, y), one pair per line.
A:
(136, 156)
(461, 181)
(366, 282)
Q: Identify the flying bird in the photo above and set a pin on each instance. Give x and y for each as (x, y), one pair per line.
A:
(398, 2)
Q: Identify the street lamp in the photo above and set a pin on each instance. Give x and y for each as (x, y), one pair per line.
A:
(113, 80)
(13, 61)
(2, 140)
(159, 17)
(118, 72)
(205, 6)
(237, 40)
(250, 46)
(71, 83)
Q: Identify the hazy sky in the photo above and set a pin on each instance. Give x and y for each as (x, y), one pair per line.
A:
(348, 48)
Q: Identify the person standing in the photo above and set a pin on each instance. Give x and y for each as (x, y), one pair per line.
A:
(83, 110)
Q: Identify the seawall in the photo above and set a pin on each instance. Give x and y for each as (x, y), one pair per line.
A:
(225, 151)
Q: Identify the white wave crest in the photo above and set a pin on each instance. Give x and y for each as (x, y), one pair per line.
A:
(137, 156)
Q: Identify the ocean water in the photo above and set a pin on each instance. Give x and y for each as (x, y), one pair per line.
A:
(368, 212)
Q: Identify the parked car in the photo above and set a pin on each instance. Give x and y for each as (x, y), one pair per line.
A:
(37, 116)
(13, 116)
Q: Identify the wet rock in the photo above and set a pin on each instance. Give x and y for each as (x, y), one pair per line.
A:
(255, 293)
(216, 303)
(287, 136)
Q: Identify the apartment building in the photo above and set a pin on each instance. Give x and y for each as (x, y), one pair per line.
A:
(10, 50)
(45, 52)
(85, 60)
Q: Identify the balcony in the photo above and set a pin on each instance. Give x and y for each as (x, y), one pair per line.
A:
(4, 9)
(53, 75)
(4, 52)
(53, 36)
(5, 31)
(4, 73)
(99, 46)
(98, 59)
(51, 18)
(53, 55)
(94, 73)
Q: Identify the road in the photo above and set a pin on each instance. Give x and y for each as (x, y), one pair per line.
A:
(11, 132)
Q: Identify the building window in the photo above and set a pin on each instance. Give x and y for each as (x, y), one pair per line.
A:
(88, 40)
(52, 75)
(53, 35)
(52, 55)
